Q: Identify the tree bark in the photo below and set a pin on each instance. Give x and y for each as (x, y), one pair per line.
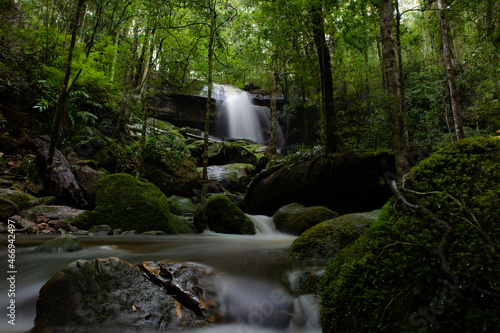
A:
(327, 94)
(201, 218)
(61, 102)
(396, 116)
(128, 80)
(450, 75)
(273, 122)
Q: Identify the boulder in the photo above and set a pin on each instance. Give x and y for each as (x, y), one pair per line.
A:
(123, 202)
(20, 198)
(346, 183)
(233, 177)
(224, 216)
(180, 206)
(430, 261)
(65, 243)
(100, 230)
(295, 218)
(7, 208)
(108, 294)
(324, 240)
(87, 178)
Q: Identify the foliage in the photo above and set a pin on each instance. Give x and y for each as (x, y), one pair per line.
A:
(430, 261)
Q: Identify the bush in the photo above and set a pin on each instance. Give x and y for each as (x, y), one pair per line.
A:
(430, 262)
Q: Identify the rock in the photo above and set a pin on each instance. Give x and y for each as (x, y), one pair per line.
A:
(73, 216)
(59, 224)
(65, 243)
(183, 224)
(224, 216)
(3, 228)
(100, 230)
(28, 165)
(154, 233)
(295, 218)
(7, 208)
(22, 223)
(5, 183)
(62, 180)
(324, 240)
(106, 294)
(50, 200)
(344, 183)
(124, 202)
(232, 177)
(222, 153)
(87, 178)
(430, 261)
(20, 198)
(41, 229)
(179, 205)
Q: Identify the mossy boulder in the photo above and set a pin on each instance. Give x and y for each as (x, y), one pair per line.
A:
(295, 218)
(224, 216)
(346, 183)
(324, 240)
(431, 260)
(233, 177)
(20, 198)
(7, 208)
(179, 205)
(123, 202)
(64, 243)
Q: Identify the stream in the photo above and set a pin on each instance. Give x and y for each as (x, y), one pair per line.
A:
(258, 276)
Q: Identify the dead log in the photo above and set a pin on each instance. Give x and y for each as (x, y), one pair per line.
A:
(62, 180)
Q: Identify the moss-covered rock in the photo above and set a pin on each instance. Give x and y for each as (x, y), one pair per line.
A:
(324, 240)
(20, 198)
(233, 177)
(224, 216)
(295, 218)
(7, 208)
(179, 205)
(123, 202)
(64, 243)
(431, 260)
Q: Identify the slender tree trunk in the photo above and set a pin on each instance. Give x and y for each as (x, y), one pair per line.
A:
(273, 122)
(330, 117)
(142, 144)
(450, 75)
(128, 77)
(208, 110)
(61, 102)
(396, 116)
(115, 58)
(400, 54)
(381, 61)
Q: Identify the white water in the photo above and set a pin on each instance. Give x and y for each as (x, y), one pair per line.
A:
(264, 224)
(256, 279)
(238, 118)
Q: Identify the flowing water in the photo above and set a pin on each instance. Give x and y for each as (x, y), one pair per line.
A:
(258, 279)
(238, 118)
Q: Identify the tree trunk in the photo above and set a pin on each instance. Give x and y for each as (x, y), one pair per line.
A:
(396, 116)
(128, 77)
(273, 122)
(201, 218)
(115, 58)
(327, 95)
(61, 102)
(450, 75)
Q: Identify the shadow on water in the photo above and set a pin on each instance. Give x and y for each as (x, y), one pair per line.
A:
(254, 292)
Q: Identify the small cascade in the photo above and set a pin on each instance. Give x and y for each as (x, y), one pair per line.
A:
(263, 224)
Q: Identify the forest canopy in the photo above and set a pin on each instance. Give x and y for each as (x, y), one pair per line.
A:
(326, 58)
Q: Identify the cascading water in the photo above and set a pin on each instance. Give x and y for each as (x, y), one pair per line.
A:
(238, 118)
(256, 292)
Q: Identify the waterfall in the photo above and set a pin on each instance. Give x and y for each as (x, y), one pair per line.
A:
(263, 224)
(238, 118)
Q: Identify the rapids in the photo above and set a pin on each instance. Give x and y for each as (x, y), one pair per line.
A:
(256, 280)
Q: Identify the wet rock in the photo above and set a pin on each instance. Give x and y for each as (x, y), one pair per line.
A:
(21, 223)
(326, 239)
(344, 183)
(65, 243)
(154, 233)
(7, 208)
(232, 177)
(41, 229)
(225, 216)
(46, 213)
(100, 230)
(109, 294)
(295, 218)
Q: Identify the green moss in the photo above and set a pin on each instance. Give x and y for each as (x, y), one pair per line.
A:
(432, 263)
(224, 216)
(180, 205)
(123, 202)
(295, 218)
(326, 239)
(83, 221)
(64, 243)
(181, 224)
